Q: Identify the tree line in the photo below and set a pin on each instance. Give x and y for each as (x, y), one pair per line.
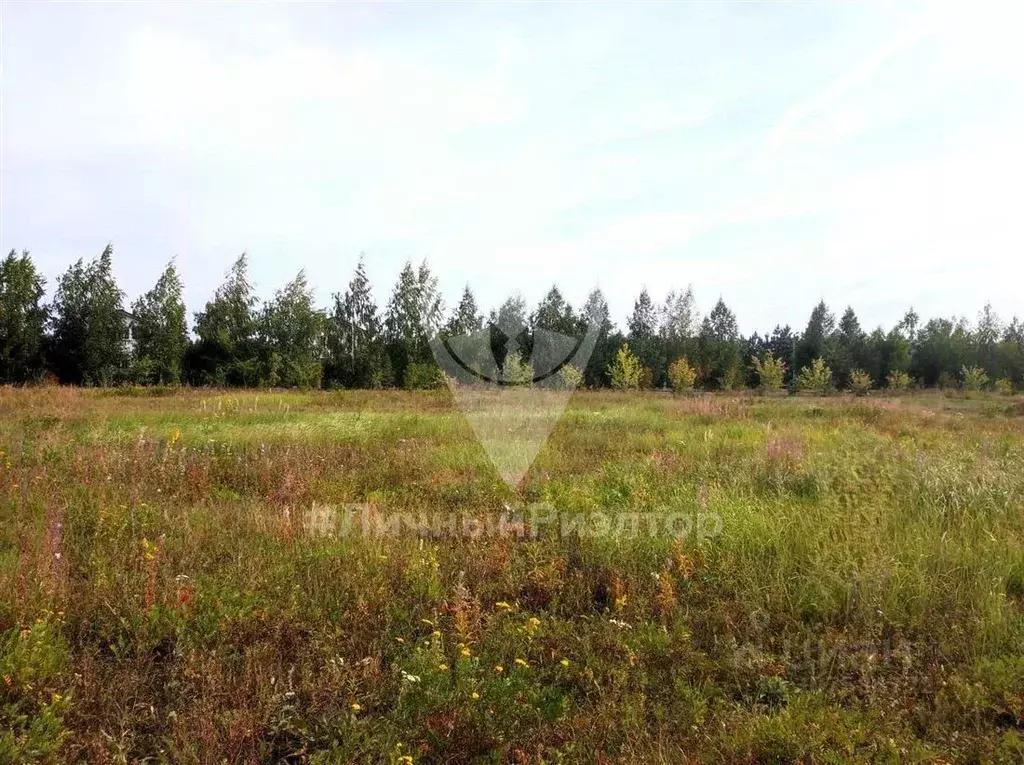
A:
(85, 335)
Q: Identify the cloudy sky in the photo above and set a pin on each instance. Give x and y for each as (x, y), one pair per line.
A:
(770, 153)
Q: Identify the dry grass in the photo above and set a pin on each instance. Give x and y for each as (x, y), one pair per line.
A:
(180, 583)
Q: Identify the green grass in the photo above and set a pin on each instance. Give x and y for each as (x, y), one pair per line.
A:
(166, 597)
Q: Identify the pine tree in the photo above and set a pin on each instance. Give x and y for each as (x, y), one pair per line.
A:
(643, 337)
(813, 344)
(431, 304)
(846, 349)
(159, 331)
(719, 348)
(555, 314)
(23, 320)
(595, 315)
(466, 319)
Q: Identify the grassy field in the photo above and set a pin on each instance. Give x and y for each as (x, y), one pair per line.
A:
(191, 578)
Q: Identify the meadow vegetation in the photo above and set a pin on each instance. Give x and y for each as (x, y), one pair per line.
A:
(165, 596)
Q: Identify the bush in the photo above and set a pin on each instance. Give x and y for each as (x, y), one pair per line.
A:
(1004, 387)
(516, 371)
(860, 382)
(681, 375)
(771, 372)
(974, 378)
(646, 378)
(423, 376)
(625, 371)
(817, 378)
(897, 381)
(570, 377)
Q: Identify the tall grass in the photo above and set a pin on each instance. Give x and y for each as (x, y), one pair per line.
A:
(165, 595)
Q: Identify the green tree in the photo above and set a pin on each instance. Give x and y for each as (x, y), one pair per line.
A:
(159, 331)
(782, 344)
(897, 381)
(974, 378)
(643, 333)
(227, 351)
(888, 352)
(466, 318)
(846, 348)
(1010, 353)
(553, 314)
(89, 324)
(814, 342)
(23, 319)
(356, 356)
(860, 382)
(986, 339)
(625, 370)
(570, 377)
(771, 372)
(681, 375)
(516, 369)
(508, 329)
(719, 348)
(677, 328)
(413, 316)
(292, 330)
(941, 348)
(595, 314)
(816, 378)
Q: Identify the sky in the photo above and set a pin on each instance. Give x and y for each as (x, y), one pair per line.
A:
(772, 154)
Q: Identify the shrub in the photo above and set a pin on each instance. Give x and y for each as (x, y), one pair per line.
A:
(817, 378)
(771, 372)
(974, 378)
(570, 377)
(423, 376)
(625, 370)
(516, 371)
(646, 378)
(681, 375)
(897, 381)
(860, 382)
(946, 380)
(1004, 387)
